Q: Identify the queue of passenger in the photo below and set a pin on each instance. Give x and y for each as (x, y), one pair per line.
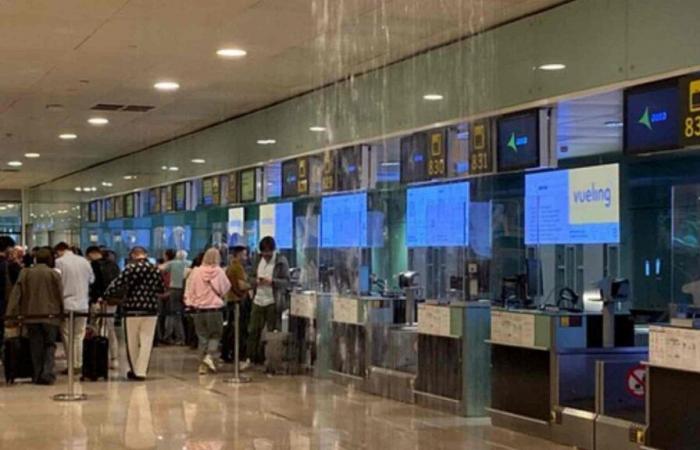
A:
(46, 284)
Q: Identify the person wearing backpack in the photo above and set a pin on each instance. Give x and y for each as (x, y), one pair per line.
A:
(206, 287)
(105, 271)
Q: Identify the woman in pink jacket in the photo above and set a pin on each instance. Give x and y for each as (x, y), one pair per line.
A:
(206, 286)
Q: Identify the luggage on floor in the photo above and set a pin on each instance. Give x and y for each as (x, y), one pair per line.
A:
(17, 359)
(282, 354)
(95, 357)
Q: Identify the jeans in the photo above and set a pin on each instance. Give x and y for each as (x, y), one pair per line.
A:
(260, 317)
(42, 344)
(209, 326)
(174, 307)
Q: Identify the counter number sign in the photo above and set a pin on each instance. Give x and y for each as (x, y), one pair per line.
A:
(690, 110)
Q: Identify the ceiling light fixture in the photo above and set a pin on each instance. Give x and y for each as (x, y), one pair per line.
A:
(167, 86)
(98, 121)
(198, 161)
(15, 163)
(107, 184)
(231, 52)
(432, 97)
(32, 155)
(163, 167)
(68, 136)
(78, 189)
(317, 129)
(129, 177)
(173, 168)
(552, 66)
(267, 141)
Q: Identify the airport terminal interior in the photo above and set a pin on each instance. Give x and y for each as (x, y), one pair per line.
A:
(350, 224)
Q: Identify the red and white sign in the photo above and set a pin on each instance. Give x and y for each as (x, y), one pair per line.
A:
(637, 381)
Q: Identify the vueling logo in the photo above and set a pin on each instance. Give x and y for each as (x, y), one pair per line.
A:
(516, 141)
(649, 118)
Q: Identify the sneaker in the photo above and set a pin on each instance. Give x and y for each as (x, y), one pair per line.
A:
(131, 376)
(209, 363)
(203, 369)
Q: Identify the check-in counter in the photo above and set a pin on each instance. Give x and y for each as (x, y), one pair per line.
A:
(453, 357)
(544, 372)
(310, 324)
(673, 385)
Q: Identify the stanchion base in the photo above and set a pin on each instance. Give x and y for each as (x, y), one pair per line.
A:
(69, 397)
(238, 380)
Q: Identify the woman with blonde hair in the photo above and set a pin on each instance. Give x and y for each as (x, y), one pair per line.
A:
(206, 287)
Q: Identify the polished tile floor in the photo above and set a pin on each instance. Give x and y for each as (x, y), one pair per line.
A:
(177, 409)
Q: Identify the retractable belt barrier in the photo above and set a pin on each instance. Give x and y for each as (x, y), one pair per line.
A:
(71, 395)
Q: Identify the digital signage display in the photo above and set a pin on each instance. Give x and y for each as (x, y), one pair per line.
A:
(93, 211)
(166, 198)
(154, 201)
(438, 215)
(481, 149)
(329, 169)
(273, 180)
(232, 190)
(344, 221)
(290, 178)
(180, 197)
(236, 227)
(437, 159)
(277, 220)
(129, 205)
(578, 206)
(118, 203)
(518, 141)
(248, 182)
(414, 158)
(211, 191)
(349, 170)
(651, 117)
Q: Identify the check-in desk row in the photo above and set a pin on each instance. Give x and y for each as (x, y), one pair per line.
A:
(442, 363)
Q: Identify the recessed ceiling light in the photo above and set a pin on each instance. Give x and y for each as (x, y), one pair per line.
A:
(3, 208)
(15, 163)
(167, 86)
(107, 184)
(32, 155)
(198, 161)
(68, 136)
(231, 52)
(614, 124)
(129, 177)
(173, 168)
(268, 141)
(78, 189)
(98, 121)
(163, 167)
(432, 97)
(552, 66)
(317, 129)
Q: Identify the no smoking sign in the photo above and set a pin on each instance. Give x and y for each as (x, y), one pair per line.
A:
(637, 381)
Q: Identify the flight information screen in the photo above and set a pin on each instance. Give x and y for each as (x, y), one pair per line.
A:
(344, 221)
(438, 216)
(578, 206)
(518, 141)
(276, 220)
(652, 117)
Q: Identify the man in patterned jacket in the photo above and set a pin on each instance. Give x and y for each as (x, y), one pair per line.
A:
(139, 285)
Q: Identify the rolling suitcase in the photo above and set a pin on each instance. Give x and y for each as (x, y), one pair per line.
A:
(95, 353)
(281, 354)
(17, 359)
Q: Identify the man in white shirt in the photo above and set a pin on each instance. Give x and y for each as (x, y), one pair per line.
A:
(77, 275)
(272, 282)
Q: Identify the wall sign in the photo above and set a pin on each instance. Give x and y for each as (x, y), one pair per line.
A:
(690, 110)
(328, 174)
(652, 118)
(437, 159)
(303, 174)
(481, 150)
(519, 141)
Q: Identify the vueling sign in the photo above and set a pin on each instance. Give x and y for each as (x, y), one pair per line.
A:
(594, 195)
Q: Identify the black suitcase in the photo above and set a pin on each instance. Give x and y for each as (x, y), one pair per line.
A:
(95, 358)
(17, 359)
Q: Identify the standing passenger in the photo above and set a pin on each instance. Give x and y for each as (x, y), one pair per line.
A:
(142, 282)
(174, 328)
(270, 298)
(105, 271)
(206, 287)
(239, 293)
(76, 275)
(9, 272)
(39, 292)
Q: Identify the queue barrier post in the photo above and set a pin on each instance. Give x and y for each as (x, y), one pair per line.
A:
(237, 378)
(71, 395)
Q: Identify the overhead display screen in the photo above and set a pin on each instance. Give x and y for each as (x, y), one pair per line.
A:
(578, 206)
(232, 187)
(438, 216)
(273, 180)
(129, 207)
(154, 201)
(349, 170)
(236, 227)
(248, 185)
(344, 221)
(652, 117)
(290, 178)
(93, 211)
(414, 158)
(276, 220)
(180, 197)
(518, 141)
